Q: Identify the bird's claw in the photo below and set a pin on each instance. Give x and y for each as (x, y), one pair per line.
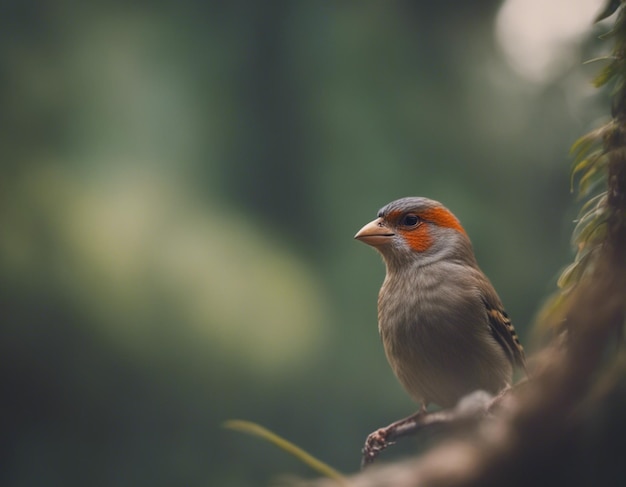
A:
(374, 444)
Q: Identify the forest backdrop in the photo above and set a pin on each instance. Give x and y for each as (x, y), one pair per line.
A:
(181, 185)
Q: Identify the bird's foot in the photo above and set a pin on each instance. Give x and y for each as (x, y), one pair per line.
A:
(374, 444)
(384, 437)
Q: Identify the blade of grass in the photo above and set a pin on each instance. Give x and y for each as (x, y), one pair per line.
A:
(285, 445)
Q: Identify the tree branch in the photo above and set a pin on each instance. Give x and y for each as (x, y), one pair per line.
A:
(469, 409)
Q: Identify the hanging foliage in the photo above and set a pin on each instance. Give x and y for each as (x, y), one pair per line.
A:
(598, 178)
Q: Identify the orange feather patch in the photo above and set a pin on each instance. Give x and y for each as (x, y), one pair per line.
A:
(419, 239)
(443, 218)
(394, 216)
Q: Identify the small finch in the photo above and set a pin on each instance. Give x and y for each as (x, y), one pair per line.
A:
(442, 324)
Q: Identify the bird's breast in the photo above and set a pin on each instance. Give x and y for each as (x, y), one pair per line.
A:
(436, 338)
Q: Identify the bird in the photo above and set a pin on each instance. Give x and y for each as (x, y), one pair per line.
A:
(443, 326)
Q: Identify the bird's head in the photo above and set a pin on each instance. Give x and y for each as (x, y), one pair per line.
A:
(416, 230)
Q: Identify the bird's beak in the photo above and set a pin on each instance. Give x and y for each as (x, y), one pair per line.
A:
(375, 233)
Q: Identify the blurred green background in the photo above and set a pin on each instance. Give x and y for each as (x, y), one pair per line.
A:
(181, 183)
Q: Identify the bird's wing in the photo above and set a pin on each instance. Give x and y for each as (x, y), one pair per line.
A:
(503, 331)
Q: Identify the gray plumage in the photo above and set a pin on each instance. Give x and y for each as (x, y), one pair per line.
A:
(442, 324)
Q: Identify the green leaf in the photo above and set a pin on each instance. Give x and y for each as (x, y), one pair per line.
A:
(593, 176)
(600, 58)
(606, 74)
(609, 10)
(574, 272)
(569, 276)
(598, 200)
(593, 186)
(589, 235)
(584, 143)
(588, 164)
(586, 219)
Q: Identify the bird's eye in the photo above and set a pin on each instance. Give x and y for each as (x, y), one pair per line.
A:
(410, 220)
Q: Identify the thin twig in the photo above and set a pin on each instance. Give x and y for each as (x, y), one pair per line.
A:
(471, 407)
